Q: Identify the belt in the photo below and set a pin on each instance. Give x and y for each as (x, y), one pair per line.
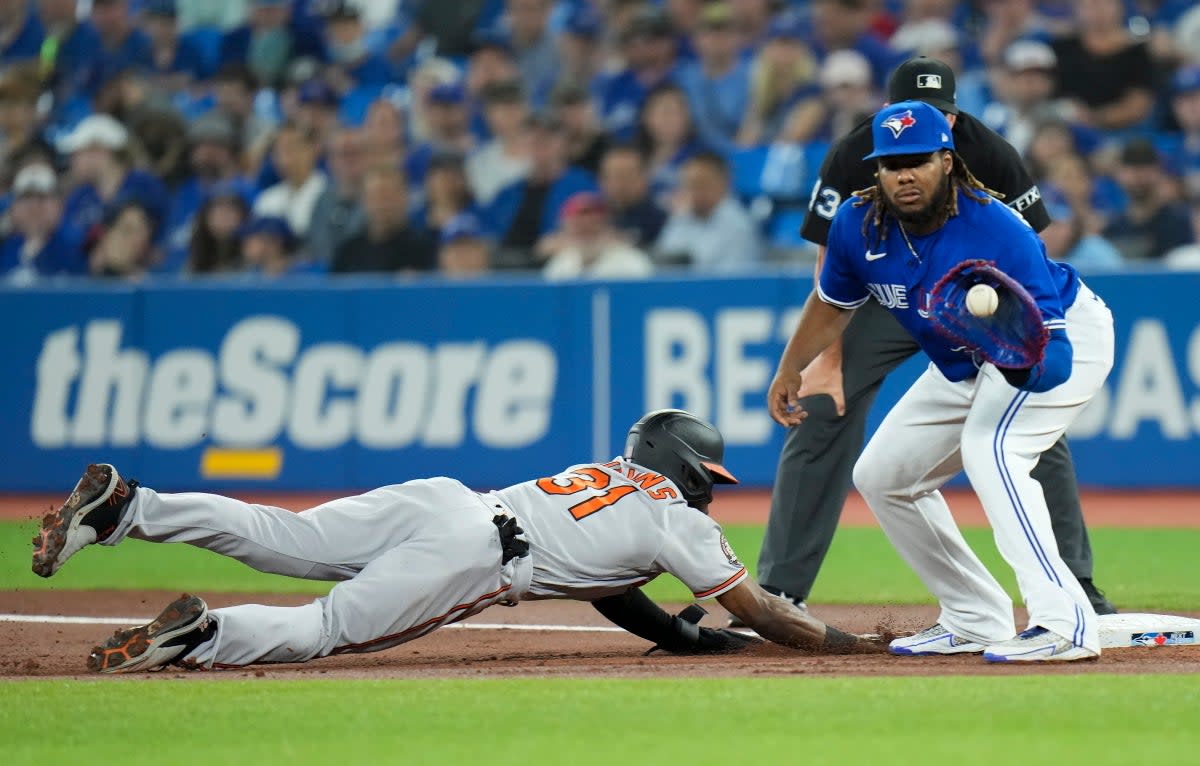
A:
(514, 547)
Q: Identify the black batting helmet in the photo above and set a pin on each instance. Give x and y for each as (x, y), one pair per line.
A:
(683, 448)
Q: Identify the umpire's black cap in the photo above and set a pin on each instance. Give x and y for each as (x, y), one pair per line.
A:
(924, 79)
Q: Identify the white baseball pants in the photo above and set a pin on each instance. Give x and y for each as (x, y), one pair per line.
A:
(995, 433)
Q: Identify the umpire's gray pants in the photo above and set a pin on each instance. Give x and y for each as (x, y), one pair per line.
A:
(815, 466)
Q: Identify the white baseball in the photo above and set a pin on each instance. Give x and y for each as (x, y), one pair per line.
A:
(982, 301)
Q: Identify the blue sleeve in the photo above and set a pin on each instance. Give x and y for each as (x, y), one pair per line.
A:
(839, 285)
(1055, 367)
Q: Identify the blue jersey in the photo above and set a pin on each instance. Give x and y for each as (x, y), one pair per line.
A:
(858, 268)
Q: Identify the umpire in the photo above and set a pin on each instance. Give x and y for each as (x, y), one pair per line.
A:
(814, 471)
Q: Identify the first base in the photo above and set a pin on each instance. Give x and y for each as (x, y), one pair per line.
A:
(1150, 630)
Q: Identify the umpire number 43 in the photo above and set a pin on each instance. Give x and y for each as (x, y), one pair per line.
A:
(824, 200)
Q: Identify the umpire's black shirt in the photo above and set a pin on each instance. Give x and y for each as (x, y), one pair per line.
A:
(987, 155)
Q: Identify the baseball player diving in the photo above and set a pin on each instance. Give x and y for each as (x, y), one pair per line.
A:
(410, 558)
(892, 242)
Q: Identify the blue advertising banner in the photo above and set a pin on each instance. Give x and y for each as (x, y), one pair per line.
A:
(347, 385)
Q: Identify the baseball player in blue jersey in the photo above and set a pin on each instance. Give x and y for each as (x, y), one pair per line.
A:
(892, 242)
(409, 558)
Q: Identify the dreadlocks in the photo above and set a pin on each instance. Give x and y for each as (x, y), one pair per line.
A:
(960, 178)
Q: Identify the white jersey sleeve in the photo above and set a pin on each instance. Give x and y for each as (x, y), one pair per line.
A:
(697, 552)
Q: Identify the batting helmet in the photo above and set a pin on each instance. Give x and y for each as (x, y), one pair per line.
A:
(683, 448)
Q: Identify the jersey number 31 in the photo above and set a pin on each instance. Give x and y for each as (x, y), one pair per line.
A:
(583, 480)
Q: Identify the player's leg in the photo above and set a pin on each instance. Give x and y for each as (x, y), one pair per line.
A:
(1006, 432)
(1055, 471)
(815, 465)
(914, 452)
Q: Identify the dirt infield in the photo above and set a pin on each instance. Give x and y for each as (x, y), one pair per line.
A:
(58, 650)
(1101, 508)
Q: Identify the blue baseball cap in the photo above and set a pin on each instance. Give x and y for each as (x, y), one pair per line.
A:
(448, 93)
(789, 25)
(584, 22)
(462, 226)
(1186, 80)
(909, 127)
(272, 226)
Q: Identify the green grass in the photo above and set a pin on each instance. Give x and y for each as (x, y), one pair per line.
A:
(1092, 719)
(1140, 568)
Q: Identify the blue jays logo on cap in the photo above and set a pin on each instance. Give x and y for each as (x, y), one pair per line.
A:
(909, 127)
(898, 123)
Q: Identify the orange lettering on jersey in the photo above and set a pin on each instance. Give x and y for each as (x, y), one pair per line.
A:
(645, 480)
(598, 503)
(663, 493)
(576, 481)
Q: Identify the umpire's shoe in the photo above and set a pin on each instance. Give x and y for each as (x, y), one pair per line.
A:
(175, 633)
(89, 515)
(1099, 601)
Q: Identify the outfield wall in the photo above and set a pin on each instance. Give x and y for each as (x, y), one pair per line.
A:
(320, 385)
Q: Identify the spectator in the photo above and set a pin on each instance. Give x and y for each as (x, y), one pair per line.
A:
(504, 159)
(667, 137)
(446, 195)
(449, 129)
(1152, 223)
(216, 245)
(526, 210)
(1005, 22)
(708, 229)
(838, 24)
(650, 53)
(939, 39)
(784, 98)
(384, 133)
(40, 244)
(465, 249)
(176, 62)
(317, 107)
(265, 43)
(718, 82)
(1183, 148)
(591, 247)
(847, 91)
(19, 121)
(295, 196)
(1106, 74)
(1187, 257)
(21, 32)
(626, 188)
(101, 172)
(270, 249)
(123, 46)
(123, 245)
(450, 24)
(338, 214)
(388, 243)
(1074, 235)
(353, 64)
(580, 53)
(754, 18)
(227, 14)
(492, 62)
(1026, 86)
(586, 141)
(537, 54)
(73, 53)
(234, 89)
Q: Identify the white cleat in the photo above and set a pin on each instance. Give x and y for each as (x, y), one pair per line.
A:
(1037, 645)
(934, 640)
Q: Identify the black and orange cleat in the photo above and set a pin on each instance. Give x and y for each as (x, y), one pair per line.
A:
(89, 515)
(178, 630)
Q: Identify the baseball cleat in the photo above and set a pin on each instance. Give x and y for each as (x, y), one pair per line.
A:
(179, 629)
(1037, 644)
(1100, 602)
(931, 641)
(90, 514)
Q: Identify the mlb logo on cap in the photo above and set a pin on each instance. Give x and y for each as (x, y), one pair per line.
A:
(909, 127)
(929, 81)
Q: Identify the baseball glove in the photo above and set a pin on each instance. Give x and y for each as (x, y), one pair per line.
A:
(1013, 338)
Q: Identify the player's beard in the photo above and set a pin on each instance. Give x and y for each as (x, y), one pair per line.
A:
(927, 216)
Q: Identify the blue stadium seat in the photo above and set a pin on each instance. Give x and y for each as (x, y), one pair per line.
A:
(746, 167)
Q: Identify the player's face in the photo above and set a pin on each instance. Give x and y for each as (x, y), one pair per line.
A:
(915, 185)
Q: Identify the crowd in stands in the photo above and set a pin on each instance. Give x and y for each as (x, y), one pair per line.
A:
(606, 138)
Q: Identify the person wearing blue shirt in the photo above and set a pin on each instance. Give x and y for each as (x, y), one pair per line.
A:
(21, 32)
(266, 43)
(892, 243)
(40, 244)
(71, 50)
(352, 63)
(718, 82)
(838, 24)
(649, 48)
(123, 46)
(176, 61)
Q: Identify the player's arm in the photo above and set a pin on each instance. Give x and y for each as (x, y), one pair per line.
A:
(635, 612)
(778, 620)
(821, 323)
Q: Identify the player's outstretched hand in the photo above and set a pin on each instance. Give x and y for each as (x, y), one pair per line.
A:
(783, 398)
(824, 376)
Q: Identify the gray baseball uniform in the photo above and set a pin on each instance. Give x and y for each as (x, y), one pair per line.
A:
(413, 557)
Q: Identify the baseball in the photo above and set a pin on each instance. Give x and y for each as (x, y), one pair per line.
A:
(982, 301)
